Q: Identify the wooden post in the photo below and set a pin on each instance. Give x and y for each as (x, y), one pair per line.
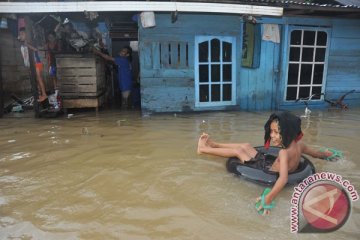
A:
(33, 81)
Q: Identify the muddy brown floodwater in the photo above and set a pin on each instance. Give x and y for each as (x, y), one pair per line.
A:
(122, 175)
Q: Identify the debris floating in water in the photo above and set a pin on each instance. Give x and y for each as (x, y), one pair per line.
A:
(118, 122)
(85, 131)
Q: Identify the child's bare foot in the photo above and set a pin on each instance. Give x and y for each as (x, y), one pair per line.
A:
(210, 142)
(202, 142)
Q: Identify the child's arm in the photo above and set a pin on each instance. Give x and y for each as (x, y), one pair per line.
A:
(283, 177)
(315, 153)
(105, 56)
(278, 186)
(31, 47)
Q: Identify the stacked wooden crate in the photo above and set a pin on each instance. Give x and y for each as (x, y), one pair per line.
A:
(81, 80)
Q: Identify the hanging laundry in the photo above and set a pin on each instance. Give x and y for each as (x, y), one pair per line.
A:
(25, 55)
(148, 19)
(271, 33)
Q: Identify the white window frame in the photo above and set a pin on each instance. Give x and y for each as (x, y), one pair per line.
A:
(300, 62)
(232, 40)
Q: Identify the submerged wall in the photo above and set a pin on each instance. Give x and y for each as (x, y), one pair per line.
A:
(170, 87)
(167, 58)
(344, 61)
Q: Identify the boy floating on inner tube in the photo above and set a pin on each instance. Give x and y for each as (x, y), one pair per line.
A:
(283, 129)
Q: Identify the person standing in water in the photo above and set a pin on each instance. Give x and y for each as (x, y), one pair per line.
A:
(123, 62)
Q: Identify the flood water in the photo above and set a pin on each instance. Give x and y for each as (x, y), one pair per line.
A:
(123, 175)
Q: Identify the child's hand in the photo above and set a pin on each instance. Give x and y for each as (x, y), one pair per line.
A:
(331, 154)
(327, 153)
(261, 205)
(261, 210)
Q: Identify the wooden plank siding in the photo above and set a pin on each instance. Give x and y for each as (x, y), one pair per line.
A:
(342, 73)
(344, 61)
(15, 76)
(165, 88)
(167, 58)
(80, 76)
(257, 85)
(167, 63)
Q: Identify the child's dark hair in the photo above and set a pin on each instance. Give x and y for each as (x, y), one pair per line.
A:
(22, 29)
(289, 125)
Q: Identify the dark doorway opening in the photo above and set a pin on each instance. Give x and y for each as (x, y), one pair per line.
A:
(123, 32)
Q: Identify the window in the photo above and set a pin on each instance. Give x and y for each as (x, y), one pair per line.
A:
(166, 55)
(173, 54)
(306, 65)
(215, 71)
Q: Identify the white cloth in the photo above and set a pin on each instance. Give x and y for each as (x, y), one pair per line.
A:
(271, 33)
(147, 19)
(25, 55)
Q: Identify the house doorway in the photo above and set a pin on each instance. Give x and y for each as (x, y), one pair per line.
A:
(117, 45)
(123, 32)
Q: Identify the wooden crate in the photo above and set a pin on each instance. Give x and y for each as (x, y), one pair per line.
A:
(89, 102)
(80, 75)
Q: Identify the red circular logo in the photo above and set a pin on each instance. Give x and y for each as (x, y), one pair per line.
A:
(325, 207)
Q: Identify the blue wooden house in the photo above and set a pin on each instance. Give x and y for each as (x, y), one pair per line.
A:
(202, 62)
(199, 55)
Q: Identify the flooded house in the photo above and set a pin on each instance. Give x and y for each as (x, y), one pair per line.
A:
(214, 55)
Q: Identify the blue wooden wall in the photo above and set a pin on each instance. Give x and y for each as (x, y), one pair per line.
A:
(344, 61)
(168, 86)
(258, 86)
(342, 69)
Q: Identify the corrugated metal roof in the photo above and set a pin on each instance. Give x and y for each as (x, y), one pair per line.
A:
(322, 4)
(278, 3)
(337, 4)
(325, 8)
(349, 2)
(285, 3)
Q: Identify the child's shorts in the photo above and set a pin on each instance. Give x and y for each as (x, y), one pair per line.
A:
(39, 66)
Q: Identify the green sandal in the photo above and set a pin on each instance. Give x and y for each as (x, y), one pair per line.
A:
(336, 154)
(262, 202)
